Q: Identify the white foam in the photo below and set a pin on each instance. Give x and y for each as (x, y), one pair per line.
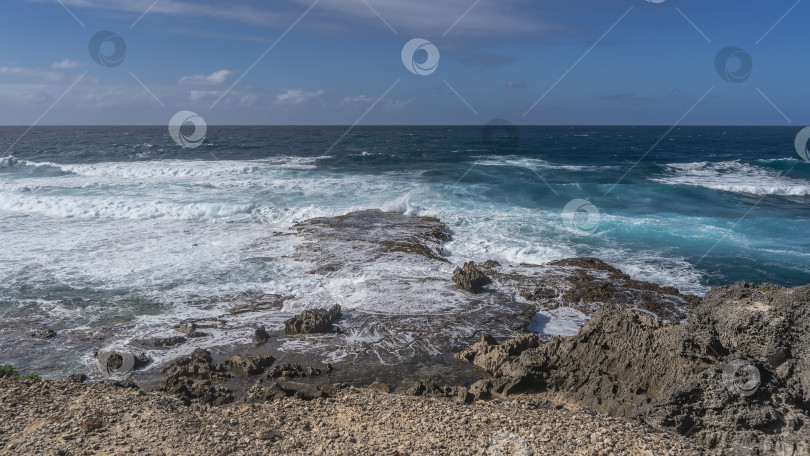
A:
(535, 164)
(563, 321)
(735, 177)
(402, 205)
(70, 207)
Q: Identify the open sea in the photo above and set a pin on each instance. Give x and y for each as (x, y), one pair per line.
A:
(120, 226)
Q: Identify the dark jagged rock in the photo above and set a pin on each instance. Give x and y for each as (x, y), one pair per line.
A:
(204, 390)
(586, 284)
(489, 355)
(282, 390)
(735, 376)
(197, 365)
(421, 236)
(167, 341)
(44, 334)
(76, 378)
(429, 388)
(193, 377)
(258, 303)
(288, 371)
(313, 321)
(191, 327)
(260, 336)
(470, 278)
(249, 365)
(292, 371)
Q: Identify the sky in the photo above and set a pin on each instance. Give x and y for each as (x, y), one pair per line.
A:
(340, 62)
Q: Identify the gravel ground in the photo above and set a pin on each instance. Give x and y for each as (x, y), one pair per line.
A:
(65, 418)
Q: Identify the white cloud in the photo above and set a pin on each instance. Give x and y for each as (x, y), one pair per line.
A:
(431, 17)
(248, 100)
(515, 85)
(185, 8)
(215, 78)
(394, 103)
(198, 95)
(425, 16)
(34, 73)
(66, 64)
(298, 96)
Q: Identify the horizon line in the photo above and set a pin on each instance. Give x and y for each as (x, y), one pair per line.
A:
(400, 125)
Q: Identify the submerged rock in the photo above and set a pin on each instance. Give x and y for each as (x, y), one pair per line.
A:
(470, 278)
(44, 334)
(313, 321)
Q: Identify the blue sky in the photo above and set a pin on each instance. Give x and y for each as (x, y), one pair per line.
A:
(655, 64)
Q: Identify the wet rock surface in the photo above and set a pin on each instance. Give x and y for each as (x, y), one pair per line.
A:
(734, 377)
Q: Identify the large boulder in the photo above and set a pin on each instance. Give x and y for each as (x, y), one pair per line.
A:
(470, 278)
(313, 321)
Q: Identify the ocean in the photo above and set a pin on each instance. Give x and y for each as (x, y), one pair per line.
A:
(118, 228)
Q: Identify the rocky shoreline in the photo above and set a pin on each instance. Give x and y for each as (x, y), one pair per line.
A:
(638, 369)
